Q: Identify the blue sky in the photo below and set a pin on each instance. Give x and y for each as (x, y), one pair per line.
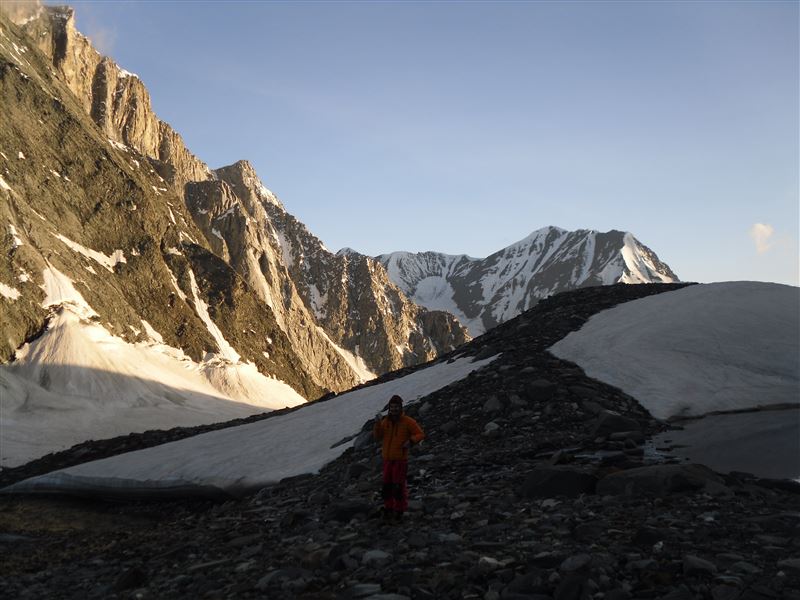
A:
(462, 127)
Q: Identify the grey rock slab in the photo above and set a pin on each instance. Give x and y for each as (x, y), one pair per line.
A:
(662, 480)
(771, 540)
(608, 422)
(571, 587)
(130, 578)
(694, 565)
(725, 592)
(590, 531)
(550, 481)
(244, 540)
(745, 567)
(491, 429)
(636, 436)
(790, 564)
(578, 562)
(487, 564)
(203, 566)
(278, 575)
(679, 593)
(363, 590)
(10, 538)
(345, 510)
(492, 405)
(376, 558)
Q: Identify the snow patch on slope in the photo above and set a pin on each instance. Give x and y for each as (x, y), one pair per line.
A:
(60, 290)
(108, 262)
(78, 381)
(152, 333)
(640, 268)
(355, 362)
(9, 292)
(703, 348)
(226, 350)
(16, 241)
(251, 456)
(317, 300)
(286, 248)
(587, 257)
(435, 293)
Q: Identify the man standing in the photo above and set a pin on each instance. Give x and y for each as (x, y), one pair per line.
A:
(398, 432)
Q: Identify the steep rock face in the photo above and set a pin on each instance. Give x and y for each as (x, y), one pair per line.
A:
(326, 303)
(232, 219)
(117, 101)
(81, 215)
(247, 241)
(485, 292)
(393, 332)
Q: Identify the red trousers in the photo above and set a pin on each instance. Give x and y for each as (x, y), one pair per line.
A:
(395, 491)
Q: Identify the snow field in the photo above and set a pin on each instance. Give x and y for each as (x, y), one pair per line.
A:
(250, 456)
(702, 348)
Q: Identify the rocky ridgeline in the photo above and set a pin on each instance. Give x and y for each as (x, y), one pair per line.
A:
(83, 156)
(535, 483)
(488, 291)
(349, 297)
(117, 101)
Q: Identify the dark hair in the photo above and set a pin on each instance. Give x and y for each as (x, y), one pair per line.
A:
(396, 400)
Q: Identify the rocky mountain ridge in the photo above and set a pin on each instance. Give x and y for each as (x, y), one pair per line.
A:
(117, 100)
(349, 298)
(78, 207)
(246, 236)
(485, 292)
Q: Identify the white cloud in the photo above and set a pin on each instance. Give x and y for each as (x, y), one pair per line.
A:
(761, 234)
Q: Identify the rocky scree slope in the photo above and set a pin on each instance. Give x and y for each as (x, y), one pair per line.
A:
(534, 483)
(234, 216)
(485, 292)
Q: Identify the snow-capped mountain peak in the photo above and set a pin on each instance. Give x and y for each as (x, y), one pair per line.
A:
(485, 292)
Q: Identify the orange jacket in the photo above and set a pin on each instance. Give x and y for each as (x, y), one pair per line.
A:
(394, 435)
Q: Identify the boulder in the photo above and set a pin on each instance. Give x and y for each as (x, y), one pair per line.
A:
(493, 405)
(347, 509)
(790, 564)
(661, 480)
(694, 565)
(608, 422)
(548, 482)
(541, 389)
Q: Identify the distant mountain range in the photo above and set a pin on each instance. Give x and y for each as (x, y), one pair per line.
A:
(483, 293)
